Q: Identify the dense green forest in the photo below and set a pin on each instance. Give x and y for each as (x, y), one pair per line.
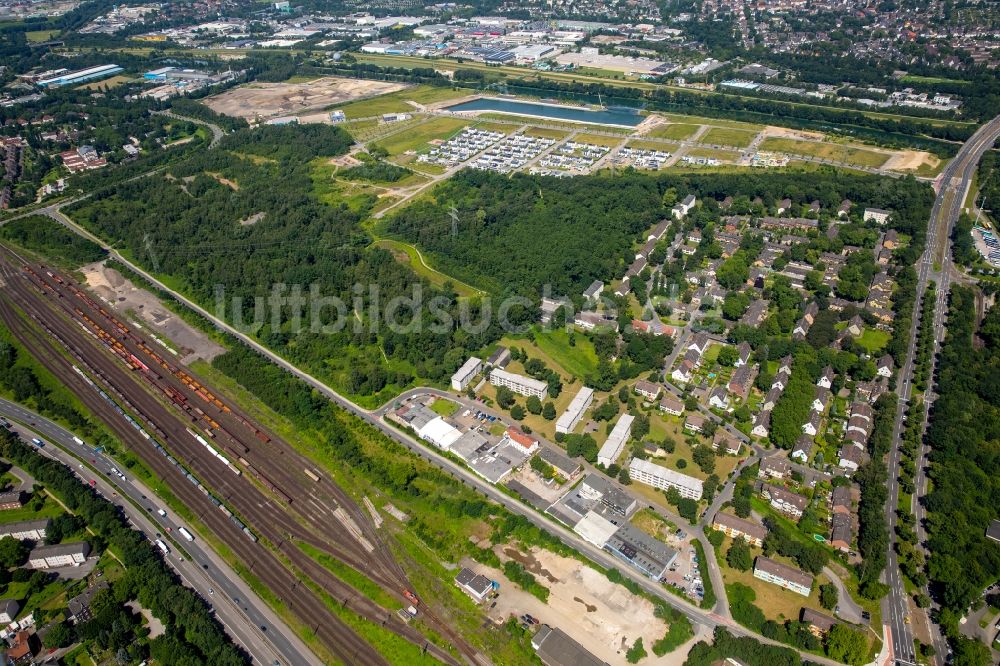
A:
(48, 237)
(963, 436)
(588, 224)
(517, 234)
(243, 218)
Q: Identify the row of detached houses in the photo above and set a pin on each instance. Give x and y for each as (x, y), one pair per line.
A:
(692, 358)
(642, 255)
(762, 423)
(842, 501)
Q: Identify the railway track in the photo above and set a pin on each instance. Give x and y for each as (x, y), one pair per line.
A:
(340, 638)
(302, 513)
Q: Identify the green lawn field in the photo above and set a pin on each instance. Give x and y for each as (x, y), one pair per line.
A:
(417, 138)
(728, 136)
(398, 102)
(677, 131)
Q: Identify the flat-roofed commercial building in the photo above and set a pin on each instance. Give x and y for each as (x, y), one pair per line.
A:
(80, 76)
(464, 375)
(518, 383)
(440, 433)
(571, 417)
(554, 647)
(654, 475)
(782, 575)
(648, 555)
(615, 443)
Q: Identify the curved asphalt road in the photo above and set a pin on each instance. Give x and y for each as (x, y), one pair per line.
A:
(238, 608)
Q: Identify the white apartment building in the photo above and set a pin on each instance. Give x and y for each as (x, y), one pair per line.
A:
(615, 443)
(464, 375)
(782, 575)
(581, 402)
(518, 383)
(61, 555)
(26, 529)
(662, 478)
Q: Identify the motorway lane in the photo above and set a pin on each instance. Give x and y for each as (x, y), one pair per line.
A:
(935, 264)
(236, 606)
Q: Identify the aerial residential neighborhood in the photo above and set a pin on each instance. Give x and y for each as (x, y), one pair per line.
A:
(588, 333)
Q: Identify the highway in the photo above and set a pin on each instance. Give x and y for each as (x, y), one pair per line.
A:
(236, 606)
(935, 264)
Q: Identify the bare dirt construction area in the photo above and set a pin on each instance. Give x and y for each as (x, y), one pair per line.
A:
(651, 121)
(263, 100)
(785, 133)
(135, 303)
(911, 160)
(603, 617)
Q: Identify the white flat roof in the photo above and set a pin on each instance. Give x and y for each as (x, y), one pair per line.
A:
(440, 432)
(575, 408)
(470, 367)
(616, 440)
(595, 528)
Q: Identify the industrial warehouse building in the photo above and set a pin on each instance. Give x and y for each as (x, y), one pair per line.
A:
(662, 478)
(555, 648)
(79, 76)
(648, 555)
